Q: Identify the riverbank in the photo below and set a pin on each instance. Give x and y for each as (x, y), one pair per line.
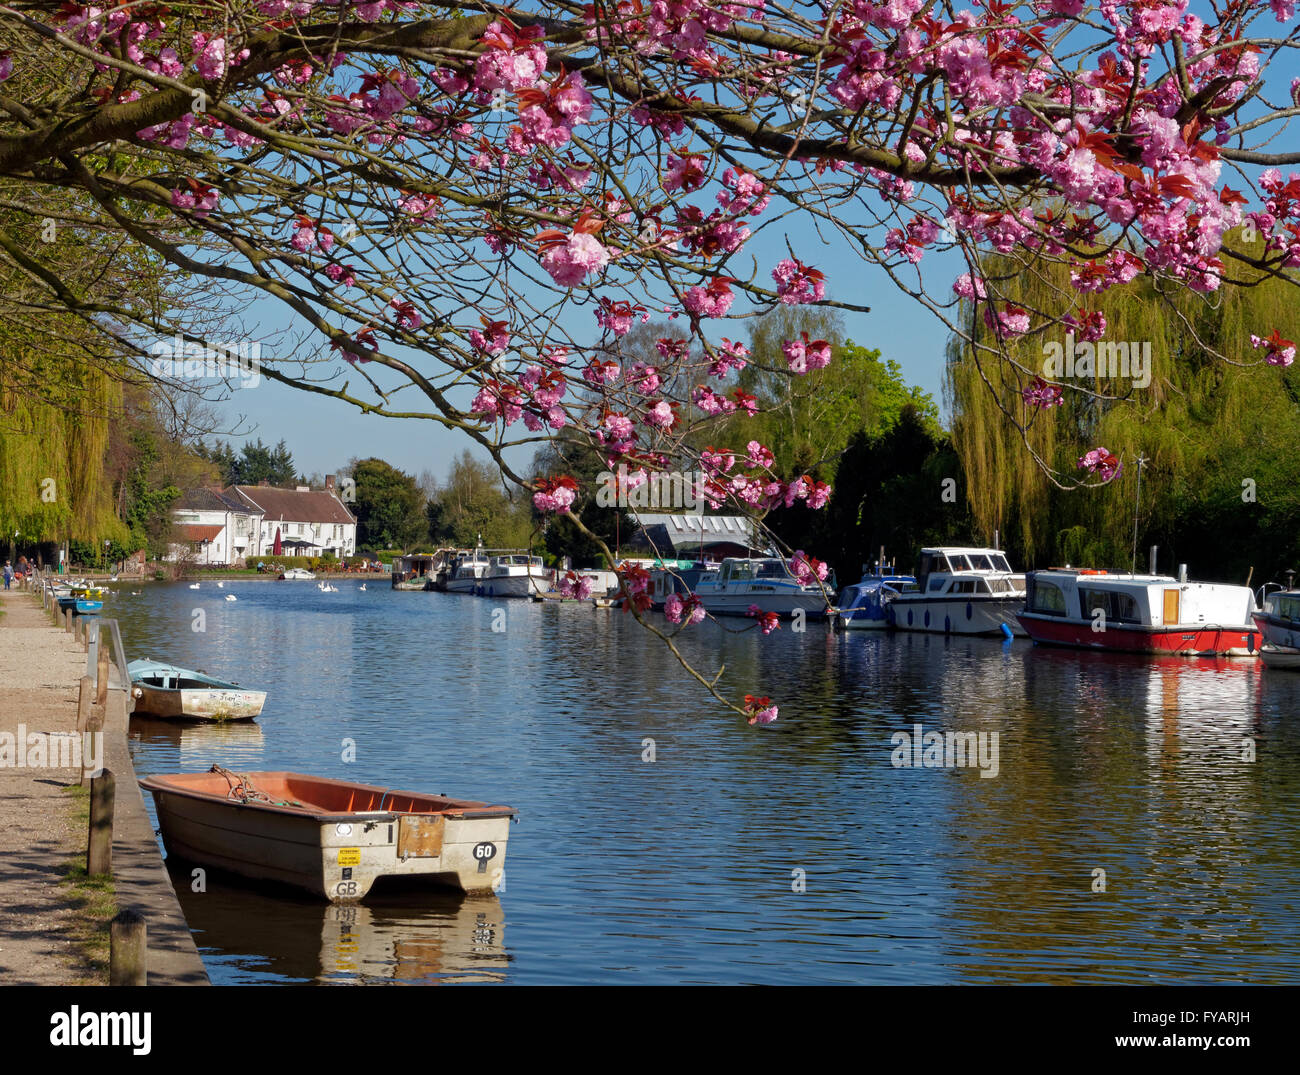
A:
(40, 915)
(53, 919)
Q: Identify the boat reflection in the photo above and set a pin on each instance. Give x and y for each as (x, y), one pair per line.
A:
(428, 939)
(235, 744)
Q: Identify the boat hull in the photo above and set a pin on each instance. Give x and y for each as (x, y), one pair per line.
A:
(965, 615)
(514, 585)
(1178, 640)
(412, 584)
(1280, 657)
(335, 856)
(197, 704)
(1277, 631)
(813, 605)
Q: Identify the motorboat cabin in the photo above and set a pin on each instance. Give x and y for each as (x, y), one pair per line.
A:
(961, 591)
(737, 585)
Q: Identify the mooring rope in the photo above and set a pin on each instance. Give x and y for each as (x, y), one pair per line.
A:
(243, 790)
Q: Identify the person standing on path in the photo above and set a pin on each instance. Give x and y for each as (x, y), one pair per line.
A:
(9, 574)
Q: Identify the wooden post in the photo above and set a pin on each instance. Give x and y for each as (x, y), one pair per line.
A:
(67, 619)
(101, 670)
(128, 950)
(99, 853)
(85, 720)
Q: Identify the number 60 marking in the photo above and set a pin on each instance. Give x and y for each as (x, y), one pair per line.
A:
(484, 852)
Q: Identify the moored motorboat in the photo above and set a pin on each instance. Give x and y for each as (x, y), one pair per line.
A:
(295, 574)
(467, 572)
(1128, 613)
(333, 838)
(82, 606)
(515, 574)
(864, 606)
(1279, 620)
(173, 693)
(961, 591)
(739, 586)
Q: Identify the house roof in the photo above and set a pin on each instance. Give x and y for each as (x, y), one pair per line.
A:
(313, 506)
(201, 531)
(208, 500)
(691, 532)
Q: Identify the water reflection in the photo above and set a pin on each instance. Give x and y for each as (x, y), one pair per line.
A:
(426, 940)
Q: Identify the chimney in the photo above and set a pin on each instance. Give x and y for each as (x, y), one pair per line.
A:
(329, 483)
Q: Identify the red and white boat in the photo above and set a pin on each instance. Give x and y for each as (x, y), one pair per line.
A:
(1139, 613)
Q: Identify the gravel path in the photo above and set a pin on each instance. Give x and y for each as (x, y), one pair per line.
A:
(39, 670)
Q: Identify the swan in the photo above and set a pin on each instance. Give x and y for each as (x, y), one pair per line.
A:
(195, 586)
(221, 585)
(362, 586)
(231, 597)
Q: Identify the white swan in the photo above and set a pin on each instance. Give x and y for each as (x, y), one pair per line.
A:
(195, 586)
(221, 585)
(362, 586)
(231, 597)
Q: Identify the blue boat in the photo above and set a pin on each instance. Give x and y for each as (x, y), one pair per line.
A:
(864, 606)
(82, 606)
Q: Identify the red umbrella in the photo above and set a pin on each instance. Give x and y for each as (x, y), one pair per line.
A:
(276, 549)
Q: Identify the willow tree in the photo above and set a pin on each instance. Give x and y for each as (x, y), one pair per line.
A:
(1188, 393)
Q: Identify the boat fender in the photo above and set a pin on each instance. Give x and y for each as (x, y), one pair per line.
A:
(1007, 633)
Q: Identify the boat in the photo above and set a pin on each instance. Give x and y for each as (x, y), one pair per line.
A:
(333, 838)
(1280, 657)
(737, 586)
(678, 577)
(415, 572)
(467, 571)
(82, 606)
(170, 692)
(1279, 620)
(515, 574)
(1129, 613)
(295, 573)
(864, 606)
(961, 591)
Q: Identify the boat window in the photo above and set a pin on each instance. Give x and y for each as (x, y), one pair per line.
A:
(936, 583)
(1047, 597)
(982, 586)
(959, 563)
(1016, 582)
(962, 586)
(1289, 607)
(1118, 607)
(772, 569)
(980, 562)
(1000, 564)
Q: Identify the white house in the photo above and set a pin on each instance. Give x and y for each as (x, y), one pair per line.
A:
(307, 522)
(215, 528)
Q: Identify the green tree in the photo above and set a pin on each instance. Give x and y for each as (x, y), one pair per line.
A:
(472, 506)
(389, 506)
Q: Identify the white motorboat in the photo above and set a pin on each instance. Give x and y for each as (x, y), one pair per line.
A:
(515, 574)
(961, 591)
(295, 573)
(468, 571)
(736, 586)
(1279, 619)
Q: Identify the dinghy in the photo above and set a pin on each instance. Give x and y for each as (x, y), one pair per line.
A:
(333, 838)
(1280, 657)
(172, 693)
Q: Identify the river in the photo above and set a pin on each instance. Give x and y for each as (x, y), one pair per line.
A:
(1140, 827)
